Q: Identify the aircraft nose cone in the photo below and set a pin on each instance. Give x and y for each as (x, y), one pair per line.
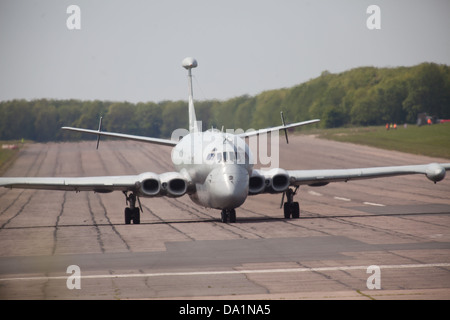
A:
(229, 186)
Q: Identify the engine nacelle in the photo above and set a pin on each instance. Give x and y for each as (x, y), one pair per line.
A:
(171, 184)
(272, 181)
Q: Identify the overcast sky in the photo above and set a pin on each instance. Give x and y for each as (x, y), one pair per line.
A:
(132, 50)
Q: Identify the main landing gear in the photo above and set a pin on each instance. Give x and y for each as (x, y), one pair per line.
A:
(291, 208)
(228, 215)
(132, 213)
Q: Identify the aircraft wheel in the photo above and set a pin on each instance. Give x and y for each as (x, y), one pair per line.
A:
(224, 216)
(136, 216)
(232, 216)
(128, 214)
(295, 209)
(291, 209)
(287, 210)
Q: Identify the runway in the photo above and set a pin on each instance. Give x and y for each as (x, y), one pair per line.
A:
(182, 251)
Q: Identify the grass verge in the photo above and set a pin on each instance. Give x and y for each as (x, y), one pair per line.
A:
(432, 140)
(8, 156)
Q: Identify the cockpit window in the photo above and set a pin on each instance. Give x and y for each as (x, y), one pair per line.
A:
(239, 157)
(226, 156)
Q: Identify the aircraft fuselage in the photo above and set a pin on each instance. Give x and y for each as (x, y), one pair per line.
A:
(219, 166)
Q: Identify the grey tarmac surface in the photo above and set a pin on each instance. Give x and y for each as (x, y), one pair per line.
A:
(182, 251)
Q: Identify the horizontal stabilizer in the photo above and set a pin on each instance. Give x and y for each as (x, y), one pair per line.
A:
(282, 127)
(164, 142)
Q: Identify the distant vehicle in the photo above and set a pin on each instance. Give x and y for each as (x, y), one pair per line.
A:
(424, 119)
(10, 146)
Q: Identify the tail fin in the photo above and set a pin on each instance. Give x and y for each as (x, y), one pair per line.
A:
(190, 63)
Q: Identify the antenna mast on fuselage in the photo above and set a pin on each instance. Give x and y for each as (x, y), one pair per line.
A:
(189, 63)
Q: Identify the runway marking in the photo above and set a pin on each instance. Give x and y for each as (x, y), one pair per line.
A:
(342, 199)
(206, 273)
(314, 193)
(374, 204)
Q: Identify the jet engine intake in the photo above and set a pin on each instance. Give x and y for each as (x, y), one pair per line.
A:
(280, 181)
(173, 184)
(256, 183)
(150, 185)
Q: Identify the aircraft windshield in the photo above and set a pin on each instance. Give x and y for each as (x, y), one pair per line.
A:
(227, 157)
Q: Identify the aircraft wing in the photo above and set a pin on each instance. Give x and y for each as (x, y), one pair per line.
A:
(279, 180)
(149, 184)
(164, 142)
(98, 184)
(434, 171)
(278, 128)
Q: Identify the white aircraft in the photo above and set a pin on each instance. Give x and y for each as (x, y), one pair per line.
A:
(215, 169)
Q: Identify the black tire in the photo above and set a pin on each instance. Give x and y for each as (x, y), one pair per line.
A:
(233, 216)
(136, 216)
(287, 210)
(295, 209)
(224, 216)
(128, 214)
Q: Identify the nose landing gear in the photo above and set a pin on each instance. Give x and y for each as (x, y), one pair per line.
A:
(228, 215)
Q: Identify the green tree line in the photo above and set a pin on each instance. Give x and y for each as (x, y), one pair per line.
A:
(361, 96)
